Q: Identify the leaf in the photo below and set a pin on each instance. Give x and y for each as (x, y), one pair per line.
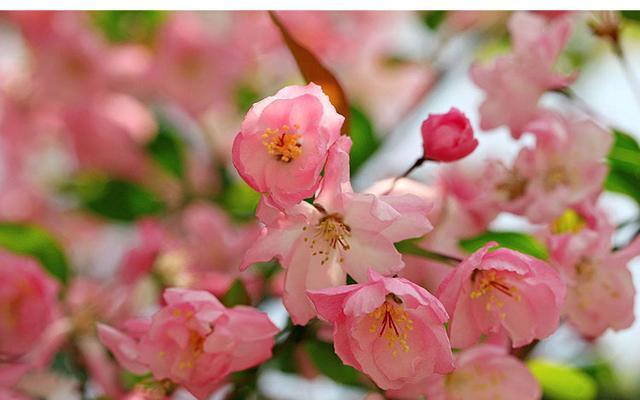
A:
(313, 70)
(433, 19)
(244, 97)
(631, 15)
(128, 26)
(411, 247)
(562, 382)
(236, 295)
(116, 199)
(35, 242)
(167, 148)
(365, 141)
(324, 358)
(239, 200)
(518, 241)
(624, 166)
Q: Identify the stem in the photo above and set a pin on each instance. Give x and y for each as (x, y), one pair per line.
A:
(415, 165)
(411, 247)
(626, 67)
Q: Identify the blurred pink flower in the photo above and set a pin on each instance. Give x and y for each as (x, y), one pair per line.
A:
(193, 341)
(501, 290)
(483, 372)
(447, 137)
(284, 143)
(515, 82)
(565, 167)
(389, 328)
(28, 303)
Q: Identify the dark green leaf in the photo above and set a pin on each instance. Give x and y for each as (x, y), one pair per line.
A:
(65, 364)
(562, 382)
(365, 141)
(128, 26)
(605, 377)
(519, 241)
(631, 15)
(116, 199)
(37, 243)
(620, 181)
(236, 295)
(167, 148)
(324, 358)
(433, 19)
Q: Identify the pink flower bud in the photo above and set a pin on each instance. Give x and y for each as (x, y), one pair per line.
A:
(447, 137)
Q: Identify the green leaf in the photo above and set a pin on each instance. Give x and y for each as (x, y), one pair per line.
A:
(365, 141)
(35, 242)
(116, 199)
(236, 295)
(324, 358)
(433, 19)
(519, 241)
(245, 96)
(65, 364)
(411, 247)
(631, 15)
(167, 148)
(624, 166)
(562, 382)
(239, 200)
(128, 26)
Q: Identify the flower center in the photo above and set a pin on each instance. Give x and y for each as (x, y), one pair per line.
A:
(555, 177)
(569, 221)
(490, 284)
(332, 232)
(283, 142)
(513, 186)
(393, 322)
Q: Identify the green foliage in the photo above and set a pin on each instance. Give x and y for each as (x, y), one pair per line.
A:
(65, 364)
(365, 141)
(433, 19)
(128, 26)
(562, 382)
(167, 148)
(35, 242)
(329, 364)
(521, 242)
(624, 166)
(236, 295)
(116, 199)
(244, 97)
(239, 200)
(411, 247)
(631, 15)
(606, 380)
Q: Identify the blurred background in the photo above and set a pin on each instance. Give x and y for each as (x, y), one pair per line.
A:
(115, 145)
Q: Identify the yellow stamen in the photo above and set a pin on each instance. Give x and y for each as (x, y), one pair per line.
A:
(392, 321)
(487, 284)
(283, 142)
(569, 222)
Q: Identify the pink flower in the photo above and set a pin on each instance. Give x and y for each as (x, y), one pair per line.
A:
(389, 328)
(565, 167)
(28, 303)
(483, 372)
(344, 233)
(501, 291)
(515, 82)
(600, 291)
(193, 340)
(284, 143)
(447, 137)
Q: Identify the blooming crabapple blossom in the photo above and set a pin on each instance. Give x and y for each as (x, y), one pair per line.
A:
(193, 341)
(28, 303)
(389, 328)
(447, 137)
(342, 233)
(600, 291)
(515, 82)
(284, 143)
(498, 291)
(565, 167)
(483, 372)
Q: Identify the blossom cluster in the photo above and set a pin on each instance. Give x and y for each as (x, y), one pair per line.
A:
(133, 267)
